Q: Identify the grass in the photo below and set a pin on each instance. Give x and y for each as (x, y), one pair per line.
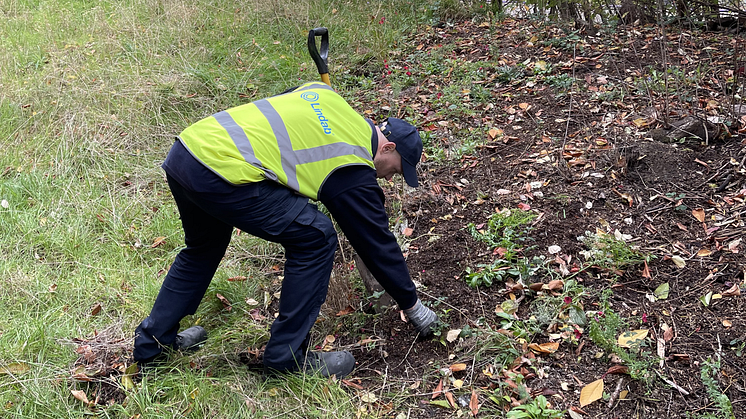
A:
(91, 96)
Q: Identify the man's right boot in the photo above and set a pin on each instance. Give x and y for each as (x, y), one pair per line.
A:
(190, 338)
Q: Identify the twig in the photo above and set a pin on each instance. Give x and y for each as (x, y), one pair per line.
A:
(672, 384)
(616, 392)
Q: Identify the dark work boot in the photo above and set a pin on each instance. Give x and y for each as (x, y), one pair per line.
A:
(327, 364)
(190, 338)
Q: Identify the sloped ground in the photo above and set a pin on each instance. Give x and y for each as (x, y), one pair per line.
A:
(580, 157)
(517, 115)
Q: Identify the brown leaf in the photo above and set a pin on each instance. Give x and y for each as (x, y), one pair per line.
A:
(544, 348)
(618, 369)
(346, 311)
(408, 231)
(254, 313)
(95, 309)
(646, 270)
(80, 395)
(237, 279)
(351, 384)
(704, 252)
(555, 285)
(158, 241)
(451, 401)
(699, 214)
(457, 367)
(226, 304)
(733, 291)
(668, 334)
(438, 389)
(474, 403)
(591, 392)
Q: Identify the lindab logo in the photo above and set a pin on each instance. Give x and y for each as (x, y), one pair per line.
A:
(313, 97)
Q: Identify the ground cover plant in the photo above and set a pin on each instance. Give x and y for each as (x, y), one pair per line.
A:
(586, 260)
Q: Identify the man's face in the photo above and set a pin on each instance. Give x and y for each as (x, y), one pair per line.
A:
(387, 162)
(387, 159)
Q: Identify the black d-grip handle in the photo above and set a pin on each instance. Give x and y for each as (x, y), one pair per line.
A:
(319, 56)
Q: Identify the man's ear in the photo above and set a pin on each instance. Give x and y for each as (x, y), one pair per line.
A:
(389, 147)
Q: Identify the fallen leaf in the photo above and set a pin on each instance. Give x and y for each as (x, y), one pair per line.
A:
(474, 403)
(457, 367)
(252, 302)
(80, 395)
(237, 279)
(646, 270)
(661, 293)
(438, 389)
(591, 392)
(53, 288)
(255, 314)
(451, 401)
(555, 285)
(158, 241)
(704, 252)
(678, 261)
(346, 311)
(15, 368)
(368, 397)
(95, 309)
(494, 132)
(457, 384)
(441, 403)
(617, 369)
(452, 335)
(524, 206)
(733, 246)
(544, 348)
(727, 323)
(632, 338)
(668, 333)
(226, 304)
(706, 299)
(408, 231)
(574, 415)
(351, 384)
(733, 291)
(699, 214)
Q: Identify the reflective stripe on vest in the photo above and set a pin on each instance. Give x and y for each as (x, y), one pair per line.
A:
(289, 158)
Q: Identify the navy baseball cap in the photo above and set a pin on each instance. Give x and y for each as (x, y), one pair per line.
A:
(408, 144)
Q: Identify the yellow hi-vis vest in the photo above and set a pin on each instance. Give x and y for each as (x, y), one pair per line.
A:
(296, 139)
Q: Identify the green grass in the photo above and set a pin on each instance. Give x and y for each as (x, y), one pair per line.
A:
(91, 97)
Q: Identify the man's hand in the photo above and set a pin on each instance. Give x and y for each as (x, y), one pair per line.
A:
(422, 318)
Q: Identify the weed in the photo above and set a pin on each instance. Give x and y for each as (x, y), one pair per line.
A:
(505, 230)
(611, 251)
(560, 82)
(708, 373)
(507, 74)
(567, 42)
(538, 408)
(604, 327)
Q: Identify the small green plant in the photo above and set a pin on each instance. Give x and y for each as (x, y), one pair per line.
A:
(538, 408)
(507, 74)
(567, 42)
(610, 251)
(710, 370)
(604, 327)
(506, 229)
(560, 81)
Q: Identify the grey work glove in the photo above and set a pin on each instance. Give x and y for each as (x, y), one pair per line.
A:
(422, 318)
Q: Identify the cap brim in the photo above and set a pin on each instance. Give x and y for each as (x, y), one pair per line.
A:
(410, 174)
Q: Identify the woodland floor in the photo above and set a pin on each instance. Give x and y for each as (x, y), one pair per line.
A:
(597, 170)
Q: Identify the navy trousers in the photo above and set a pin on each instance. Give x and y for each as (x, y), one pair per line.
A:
(266, 210)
